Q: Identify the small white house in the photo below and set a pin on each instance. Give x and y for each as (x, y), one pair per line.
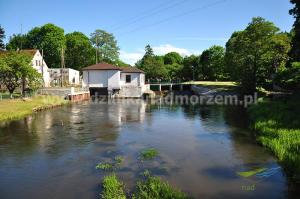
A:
(107, 79)
(67, 75)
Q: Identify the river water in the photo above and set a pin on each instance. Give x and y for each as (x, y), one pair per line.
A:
(202, 149)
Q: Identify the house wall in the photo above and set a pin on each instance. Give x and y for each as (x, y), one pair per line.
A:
(40, 65)
(101, 78)
(69, 75)
(137, 79)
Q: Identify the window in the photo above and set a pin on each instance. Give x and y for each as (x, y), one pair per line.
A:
(128, 78)
(36, 62)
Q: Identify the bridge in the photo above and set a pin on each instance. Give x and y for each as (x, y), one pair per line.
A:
(169, 86)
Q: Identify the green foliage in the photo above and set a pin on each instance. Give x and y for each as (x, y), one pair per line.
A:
(79, 51)
(154, 187)
(148, 154)
(108, 166)
(211, 64)
(106, 46)
(152, 65)
(112, 188)
(277, 124)
(17, 41)
(289, 78)
(190, 65)
(2, 36)
(255, 54)
(172, 58)
(15, 67)
(295, 51)
(51, 39)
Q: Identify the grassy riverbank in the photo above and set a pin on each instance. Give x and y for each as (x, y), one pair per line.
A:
(277, 124)
(18, 108)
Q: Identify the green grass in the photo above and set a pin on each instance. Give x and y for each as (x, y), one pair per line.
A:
(148, 154)
(155, 188)
(11, 109)
(277, 124)
(150, 188)
(211, 83)
(113, 188)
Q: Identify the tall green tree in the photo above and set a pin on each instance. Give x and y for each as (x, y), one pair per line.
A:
(152, 65)
(106, 46)
(256, 54)
(190, 68)
(17, 41)
(295, 51)
(79, 51)
(2, 36)
(51, 40)
(211, 64)
(15, 68)
(173, 58)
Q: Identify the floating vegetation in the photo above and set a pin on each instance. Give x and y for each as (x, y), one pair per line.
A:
(104, 166)
(113, 188)
(148, 154)
(107, 166)
(247, 174)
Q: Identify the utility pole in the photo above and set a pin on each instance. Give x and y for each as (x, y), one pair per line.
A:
(62, 67)
(193, 73)
(21, 45)
(43, 65)
(96, 49)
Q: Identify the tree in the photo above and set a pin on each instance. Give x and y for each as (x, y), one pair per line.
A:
(255, 54)
(152, 65)
(15, 67)
(2, 36)
(17, 42)
(172, 58)
(211, 64)
(190, 67)
(79, 51)
(295, 51)
(51, 40)
(106, 46)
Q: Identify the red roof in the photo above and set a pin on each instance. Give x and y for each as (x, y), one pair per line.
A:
(102, 66)
(131, 69)
(106, 66)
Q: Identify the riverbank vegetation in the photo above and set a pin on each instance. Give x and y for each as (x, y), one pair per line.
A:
(18, 108)
(277, 124)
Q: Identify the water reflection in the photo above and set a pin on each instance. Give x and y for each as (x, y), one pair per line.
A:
(201, 149)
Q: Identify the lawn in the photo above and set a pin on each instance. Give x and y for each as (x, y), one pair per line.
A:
(11, 109)
(277, 124)
(211, 83)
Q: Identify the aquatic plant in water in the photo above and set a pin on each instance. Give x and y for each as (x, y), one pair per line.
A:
(113, 188)
(148, 154)
(117, 161)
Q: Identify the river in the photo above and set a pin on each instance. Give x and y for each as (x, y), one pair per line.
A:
(202, 149)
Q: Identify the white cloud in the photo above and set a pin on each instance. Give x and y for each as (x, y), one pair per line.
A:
(133, 57)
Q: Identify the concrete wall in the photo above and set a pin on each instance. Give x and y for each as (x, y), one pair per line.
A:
(137, 79)
(69, 75)
(101, 78)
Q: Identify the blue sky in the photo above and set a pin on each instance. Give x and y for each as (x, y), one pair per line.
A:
(185, 26)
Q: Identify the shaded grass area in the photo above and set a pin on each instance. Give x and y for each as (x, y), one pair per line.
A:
(18, 108)
(149, 188)
(277, 124)
(211, 83)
